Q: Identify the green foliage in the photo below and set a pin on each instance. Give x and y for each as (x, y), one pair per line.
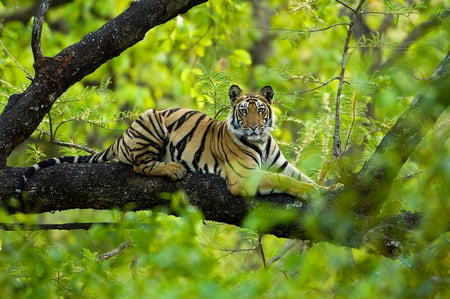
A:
(190, 62)
(183, 257)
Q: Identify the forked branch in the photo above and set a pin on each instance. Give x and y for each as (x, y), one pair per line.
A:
(37, 31)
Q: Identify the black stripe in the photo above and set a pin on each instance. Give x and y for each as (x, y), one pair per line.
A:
(282, 167)
(267, 152)
(158, 126)
(234, 170)
(145, 128)
(251, 145)
(168, 112)
(180, 122)
(181, 145)
(134, 134)
(201, 148)
(277, 156)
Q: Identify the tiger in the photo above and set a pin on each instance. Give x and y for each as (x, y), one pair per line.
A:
(172, 142)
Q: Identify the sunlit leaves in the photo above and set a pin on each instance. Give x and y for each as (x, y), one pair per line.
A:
(190, 62)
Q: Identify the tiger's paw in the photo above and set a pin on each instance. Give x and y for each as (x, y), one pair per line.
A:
(175, 171)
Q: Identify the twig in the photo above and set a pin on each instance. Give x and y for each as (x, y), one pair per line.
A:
(54, 226)
(352, 125)
(116, 251)
(56, 141)
(306, 31)
(286, 248)
(29, 76)
(261, 251)
(37, 31)
(325, 142)
(348, 6)
(337, 125)
(73, 145)
(322, 84)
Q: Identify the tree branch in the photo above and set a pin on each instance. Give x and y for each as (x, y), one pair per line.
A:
(374, 181)
(25, 111)
(29, 76)
(37, 31)
(337, 122)
(114, 185)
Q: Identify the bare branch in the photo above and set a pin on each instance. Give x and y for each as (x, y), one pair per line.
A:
(53, 226)
(337, 125)
(116, 251)
(337, 118)
(306, 31)
(322, 84)
(37, 31)
(347, 6)
(56, 141)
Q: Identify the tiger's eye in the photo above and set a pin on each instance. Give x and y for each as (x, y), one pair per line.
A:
(261, 110)
(243, 111)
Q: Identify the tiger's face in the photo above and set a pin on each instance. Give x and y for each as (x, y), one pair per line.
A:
(251, 115)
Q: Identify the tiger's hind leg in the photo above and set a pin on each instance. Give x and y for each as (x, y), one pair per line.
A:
(142, 146)
(173, 170)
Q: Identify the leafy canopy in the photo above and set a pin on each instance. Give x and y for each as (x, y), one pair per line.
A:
(295, 46)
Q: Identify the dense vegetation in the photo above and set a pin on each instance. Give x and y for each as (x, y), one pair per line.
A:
(305, 50)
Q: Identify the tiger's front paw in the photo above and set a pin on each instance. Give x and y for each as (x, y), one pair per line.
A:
(175, 171)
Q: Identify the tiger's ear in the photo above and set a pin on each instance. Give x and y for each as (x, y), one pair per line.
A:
(234, 93)
(267, 92)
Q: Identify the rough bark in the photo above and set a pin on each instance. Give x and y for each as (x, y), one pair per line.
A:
(114, 185)
(54, 75)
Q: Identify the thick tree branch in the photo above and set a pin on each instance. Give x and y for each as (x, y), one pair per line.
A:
(374, 181)
(54, 75)
(114, 185)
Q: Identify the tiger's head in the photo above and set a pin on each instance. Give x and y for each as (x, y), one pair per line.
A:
(251, 116)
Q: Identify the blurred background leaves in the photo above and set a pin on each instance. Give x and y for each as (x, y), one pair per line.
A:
(295, 46)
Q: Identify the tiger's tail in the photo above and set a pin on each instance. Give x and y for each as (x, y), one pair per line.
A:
(103, 156)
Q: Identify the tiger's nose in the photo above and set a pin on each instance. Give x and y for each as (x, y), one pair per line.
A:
(253, 126)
